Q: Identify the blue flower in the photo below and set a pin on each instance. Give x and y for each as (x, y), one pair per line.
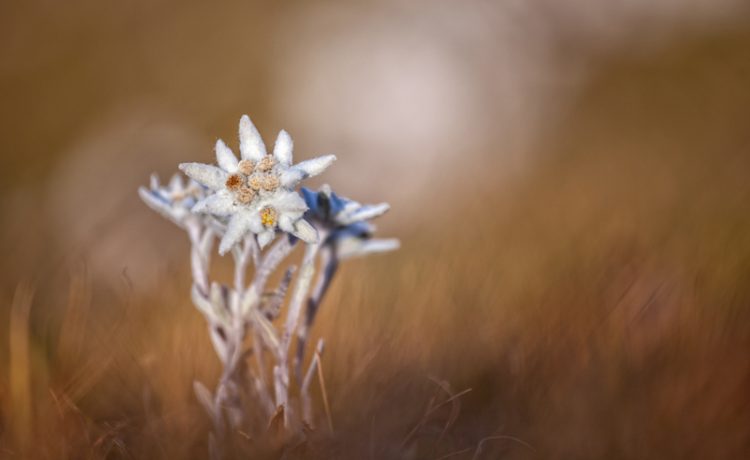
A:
(345, 223)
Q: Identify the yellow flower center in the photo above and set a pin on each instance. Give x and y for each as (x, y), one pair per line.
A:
(268, 216)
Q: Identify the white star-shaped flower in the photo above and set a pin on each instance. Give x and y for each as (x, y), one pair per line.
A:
(256, 194)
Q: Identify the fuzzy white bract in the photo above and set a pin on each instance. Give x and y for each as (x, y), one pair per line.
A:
(256, 194)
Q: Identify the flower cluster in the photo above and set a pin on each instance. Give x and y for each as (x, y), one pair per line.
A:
(174, 200)
(244, 202)
(255, 194)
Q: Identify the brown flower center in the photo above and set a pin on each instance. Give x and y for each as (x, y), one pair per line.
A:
(234, 182)
(266, 163)
(246, 167)
(245, 194)
(250, 179)
(270, 182)
(255, 182)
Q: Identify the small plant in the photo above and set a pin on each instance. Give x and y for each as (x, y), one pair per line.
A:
(247, 204)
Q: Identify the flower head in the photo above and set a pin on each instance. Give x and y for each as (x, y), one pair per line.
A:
(173, 200)
(346, 223)
(256, 193)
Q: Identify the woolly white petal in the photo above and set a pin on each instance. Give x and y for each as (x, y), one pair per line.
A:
(210, 176)
(265, 237)
(154, 202)
(306, 232)
(355, 247)
(363, 213)
(315, 166)
(220, 204)
(251, 144)
(254, 222)
(380, 245)
(291, 176)
(286, 222)
(283, 148)
(288, 202)
(154, 181)
(225, 157)
(175, 183)
(238, 226)
(351, 207)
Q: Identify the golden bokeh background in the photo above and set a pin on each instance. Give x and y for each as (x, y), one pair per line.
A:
(570, 184)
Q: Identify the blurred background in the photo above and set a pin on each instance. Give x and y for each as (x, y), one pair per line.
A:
(570, 182)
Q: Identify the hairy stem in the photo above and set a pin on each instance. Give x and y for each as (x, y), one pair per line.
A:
(306, 273)
(201, 241)
(330, 264)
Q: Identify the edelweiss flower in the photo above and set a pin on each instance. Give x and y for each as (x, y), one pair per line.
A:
(346, 223)
(256, 193)
(174, 200)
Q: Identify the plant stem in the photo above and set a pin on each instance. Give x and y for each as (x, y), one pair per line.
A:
(306, 273)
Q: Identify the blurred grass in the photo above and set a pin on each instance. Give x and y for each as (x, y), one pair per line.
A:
(597, 308)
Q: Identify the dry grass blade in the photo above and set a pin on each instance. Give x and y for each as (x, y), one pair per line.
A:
(276, 425)
(453, 454)
(480, 445)
(455, 406)
(71, 342)
(421, 422)
(432, 408)
(324, 392)
(20, 366)
(206, 399)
